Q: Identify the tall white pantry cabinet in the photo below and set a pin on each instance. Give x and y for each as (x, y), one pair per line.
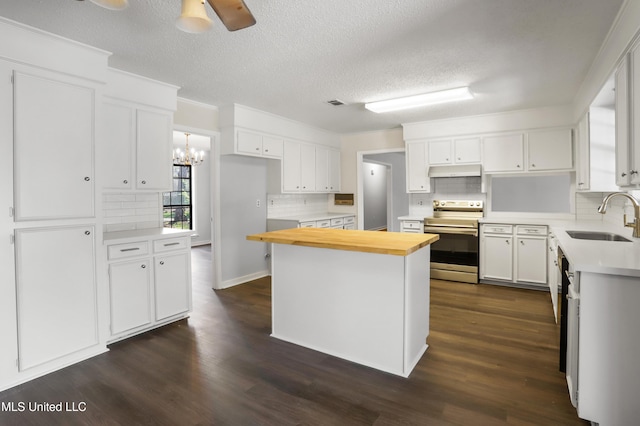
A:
(70, 128)
(49, 294)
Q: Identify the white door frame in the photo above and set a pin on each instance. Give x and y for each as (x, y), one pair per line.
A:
(214, 158)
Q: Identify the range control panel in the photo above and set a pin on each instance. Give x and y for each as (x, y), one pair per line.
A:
(453, 205)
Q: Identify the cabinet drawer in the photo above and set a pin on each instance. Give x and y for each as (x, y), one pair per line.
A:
(412, 224)
(160, 246)
(349, 220)
(497, 229)
(337, 221)
(121, 251)
(323, 223)
(531, 230)
(308, 224)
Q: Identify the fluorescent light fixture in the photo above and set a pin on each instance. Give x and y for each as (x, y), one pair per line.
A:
(451, 95)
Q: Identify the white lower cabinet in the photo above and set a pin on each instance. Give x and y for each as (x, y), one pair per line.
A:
(172, 285)
(412, 226)
(497, 257)
(56, 293)
(148, 289)
(514, 254)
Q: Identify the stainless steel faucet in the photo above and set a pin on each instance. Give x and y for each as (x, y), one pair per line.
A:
(636, 210)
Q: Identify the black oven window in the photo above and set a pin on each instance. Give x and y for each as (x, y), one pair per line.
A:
(177, 206)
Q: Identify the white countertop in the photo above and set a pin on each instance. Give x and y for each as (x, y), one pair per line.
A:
(412, 217)
(602, 257)
(144, 234)
(309, 217)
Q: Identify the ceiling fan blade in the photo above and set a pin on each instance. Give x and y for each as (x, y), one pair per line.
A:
(234, 14)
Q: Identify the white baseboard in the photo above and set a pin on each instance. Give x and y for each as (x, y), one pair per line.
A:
(241, 280)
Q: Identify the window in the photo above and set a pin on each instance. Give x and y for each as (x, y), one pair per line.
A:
(177, 203)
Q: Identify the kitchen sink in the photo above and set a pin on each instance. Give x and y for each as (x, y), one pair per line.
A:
(598, 236)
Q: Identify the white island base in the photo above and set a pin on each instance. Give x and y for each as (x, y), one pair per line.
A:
(369, 308)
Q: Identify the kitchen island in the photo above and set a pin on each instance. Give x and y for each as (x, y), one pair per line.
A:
(359, 295)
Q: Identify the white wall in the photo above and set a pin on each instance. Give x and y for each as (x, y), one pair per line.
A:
(353, 143)
(244, 181)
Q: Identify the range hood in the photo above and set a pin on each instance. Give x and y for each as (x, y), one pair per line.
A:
(456, 170)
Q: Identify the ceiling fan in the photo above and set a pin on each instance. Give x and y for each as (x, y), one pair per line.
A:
(234, 14)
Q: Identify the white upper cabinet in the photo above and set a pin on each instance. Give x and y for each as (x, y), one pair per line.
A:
(583, 178)
(153, 150)
(120, 136)
(550, 150)
(622, 124)
(466, 150)
(454, 151)
(322, 169)
(257, 144)
(136, 153)
(53, 146)
(533, 151)
(308, 167)
(135, 149)
(503, 153)
(440, 151)
(416, 159)
(334, 170)
(291, 167)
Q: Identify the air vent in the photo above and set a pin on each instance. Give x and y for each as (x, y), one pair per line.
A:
(335, 102)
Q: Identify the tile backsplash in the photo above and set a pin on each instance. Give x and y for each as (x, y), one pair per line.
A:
(587, 204)
(283, 205)
(131, 210)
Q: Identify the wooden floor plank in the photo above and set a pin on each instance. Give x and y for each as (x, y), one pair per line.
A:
(492, 359)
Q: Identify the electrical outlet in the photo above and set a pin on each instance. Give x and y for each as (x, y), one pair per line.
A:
(258, 202)
(272, 201)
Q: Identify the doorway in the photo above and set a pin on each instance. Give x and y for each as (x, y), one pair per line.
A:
(397, 199)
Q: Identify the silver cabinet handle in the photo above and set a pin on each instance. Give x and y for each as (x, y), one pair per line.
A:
(518, 165)
(623, 174)
(162, 262)
(634, 172)
(143, 266)
(507, 241)
(130, 249)
(533, 165)
(87, 178)
(125, 181)
(144, 182)
(171, 244)
(87, 232)
(521, 242)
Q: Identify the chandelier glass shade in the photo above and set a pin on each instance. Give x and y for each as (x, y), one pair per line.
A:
(188, 157)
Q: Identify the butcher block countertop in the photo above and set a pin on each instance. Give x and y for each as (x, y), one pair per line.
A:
(393, 243)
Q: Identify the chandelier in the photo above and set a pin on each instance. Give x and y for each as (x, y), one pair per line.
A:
(189, 157)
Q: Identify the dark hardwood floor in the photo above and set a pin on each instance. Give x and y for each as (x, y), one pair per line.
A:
(492, 360)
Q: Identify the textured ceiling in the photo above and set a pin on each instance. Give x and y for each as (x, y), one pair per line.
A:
(514, 54)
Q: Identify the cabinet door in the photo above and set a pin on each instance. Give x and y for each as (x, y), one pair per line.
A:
(531, 260)
(53, 147)
(322, 169)
(249, 143)
(308, 168)
(291, 167)
(271, 147)
(550, 150)
(129, 294)
(583, 178)
(172, 285)
(497, 257)
(623, 176)
(503, 153)
(416, 158)
(153, 150)
(466, 150)
(115, 156)
(56, 291)
(440, 152)
(334, 170)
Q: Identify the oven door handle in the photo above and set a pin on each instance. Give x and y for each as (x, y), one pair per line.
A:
(450, 230)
